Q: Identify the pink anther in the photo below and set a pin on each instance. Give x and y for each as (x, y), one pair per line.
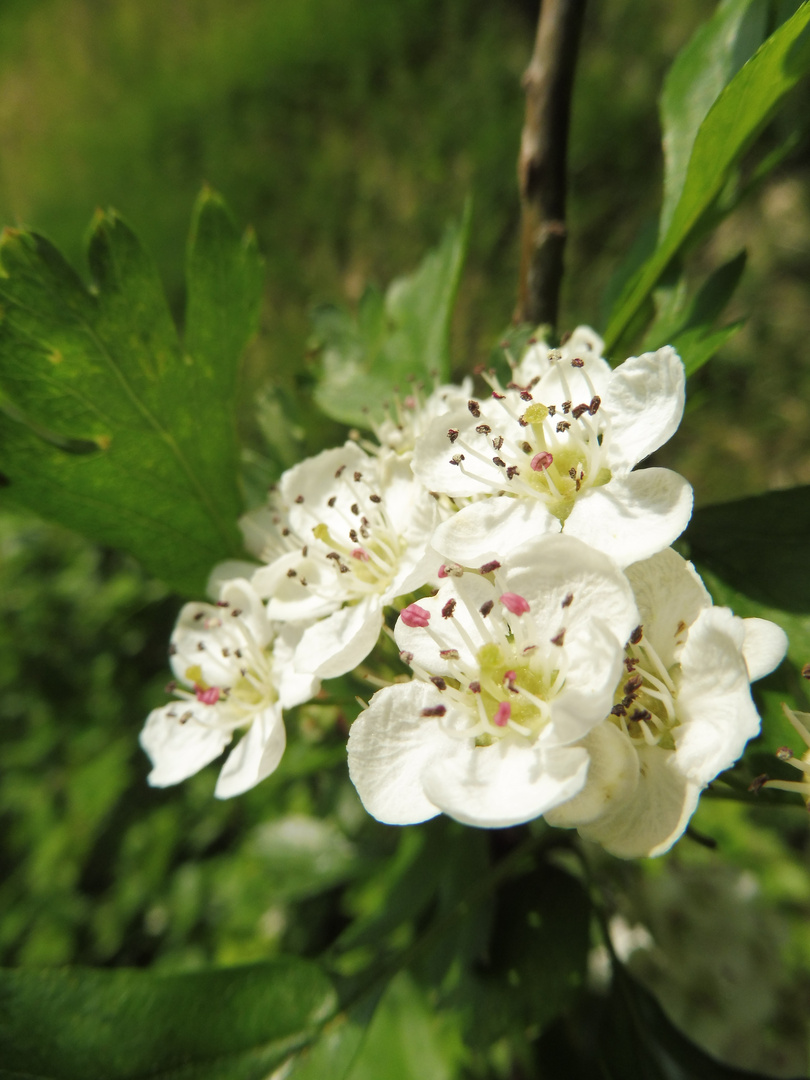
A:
(413, 615)
(501, 717)
(515, 603)
(207, 697)
(543, 460)
(361, 554)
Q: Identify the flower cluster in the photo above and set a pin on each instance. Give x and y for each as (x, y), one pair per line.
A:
(564, 660)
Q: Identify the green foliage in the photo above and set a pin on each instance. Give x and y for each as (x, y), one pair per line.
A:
(402, 337)
(736, 541)
(225, 1024)
(737, 116)
(111, 428)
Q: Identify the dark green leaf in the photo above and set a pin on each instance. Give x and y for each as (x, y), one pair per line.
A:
(759, 545)
(334, 1052)
(701, 70)
(639, 1042)
(539, 950)
(226, 1024)
(391, 340)
(111, 427)
(737, 116)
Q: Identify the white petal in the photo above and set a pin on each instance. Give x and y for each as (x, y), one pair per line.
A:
(287, 598)
(390, 744)
(492, 528)
(764, 647)
(504, 784)
(612, 778)
(644, 399)
(434, 451)
(670, 596)
(307, 487)
(577, 385)
(226, 571)
(255, 756)
(337, 643)
(632, 517)
(714, 702)
(294, 687)
(178, 749)
(655, 816)
(465, 632)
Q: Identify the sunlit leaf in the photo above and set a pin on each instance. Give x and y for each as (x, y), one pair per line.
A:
(112, 428)
(228, 1024)
(392, 339)
(736, 118)
(701, 70)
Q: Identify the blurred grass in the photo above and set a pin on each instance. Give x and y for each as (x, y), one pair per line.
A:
(347, 134)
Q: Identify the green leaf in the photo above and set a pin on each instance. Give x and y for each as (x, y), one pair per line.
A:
(403, 336)
(539, 950)
(735, 119)
(758, 545)
(111, 428)
(639, 1041)
(688, 325)
(227, 1024)
(715, 53)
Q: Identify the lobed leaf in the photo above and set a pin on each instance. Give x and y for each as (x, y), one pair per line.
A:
(110, 426)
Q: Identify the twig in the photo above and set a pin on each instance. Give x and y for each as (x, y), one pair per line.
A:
(542, 160)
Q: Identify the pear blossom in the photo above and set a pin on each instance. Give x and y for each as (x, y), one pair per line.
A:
(558, 453)
(682, 712)
(233, 672)
(513, 666)
(408, 418)
(359, 529)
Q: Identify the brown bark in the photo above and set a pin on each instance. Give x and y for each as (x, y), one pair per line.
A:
(548, 82)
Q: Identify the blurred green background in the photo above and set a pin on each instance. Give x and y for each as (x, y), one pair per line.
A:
(348, 134)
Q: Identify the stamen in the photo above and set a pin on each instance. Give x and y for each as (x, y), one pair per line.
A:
(515, 603)
(413, 615)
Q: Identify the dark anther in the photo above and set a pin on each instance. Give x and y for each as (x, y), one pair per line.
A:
(523, 421)
(578, 410)
(448, 609)
(641, 714)
(512, 472)
(333, 555)
(497, 442)
(303, 581)
(305, 550)
(449, 654)
(358, 476)
(552, 410)
(637, 635)
(633, 684)
(285, 531)
(558, 639)
(299, 498)
(572, 472)
(331, 501)
(499, 462)
(527, 448)
(355, 509)
(236, 612)
(593, 408)
(438, 682)
(563, 425)
(339, 472)
(184, 719)
(200, 647)
(406, 657)
(474, 407)
(758, 783)
(631, 662)
(172, 650)
(618, 710)
(486, 607)
(353, 536)
(475, 687)
(566, 406)
(498, 397)
(568, 601)
(170, 687)
(456, 459)
(226, 652)
(488, 567)
(375, 498)
(223, 603)
(525, 395)
(198, 616)
(434, 710)
(576, 362)
(343, 568)
(292, 573)
(452, 434)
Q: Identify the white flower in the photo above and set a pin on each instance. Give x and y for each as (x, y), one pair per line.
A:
(584, 344)
(512, 666)
(362, 526)
(801, 723)
(234, 673)
(406, 422)
(559, 454)
(682, 712)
